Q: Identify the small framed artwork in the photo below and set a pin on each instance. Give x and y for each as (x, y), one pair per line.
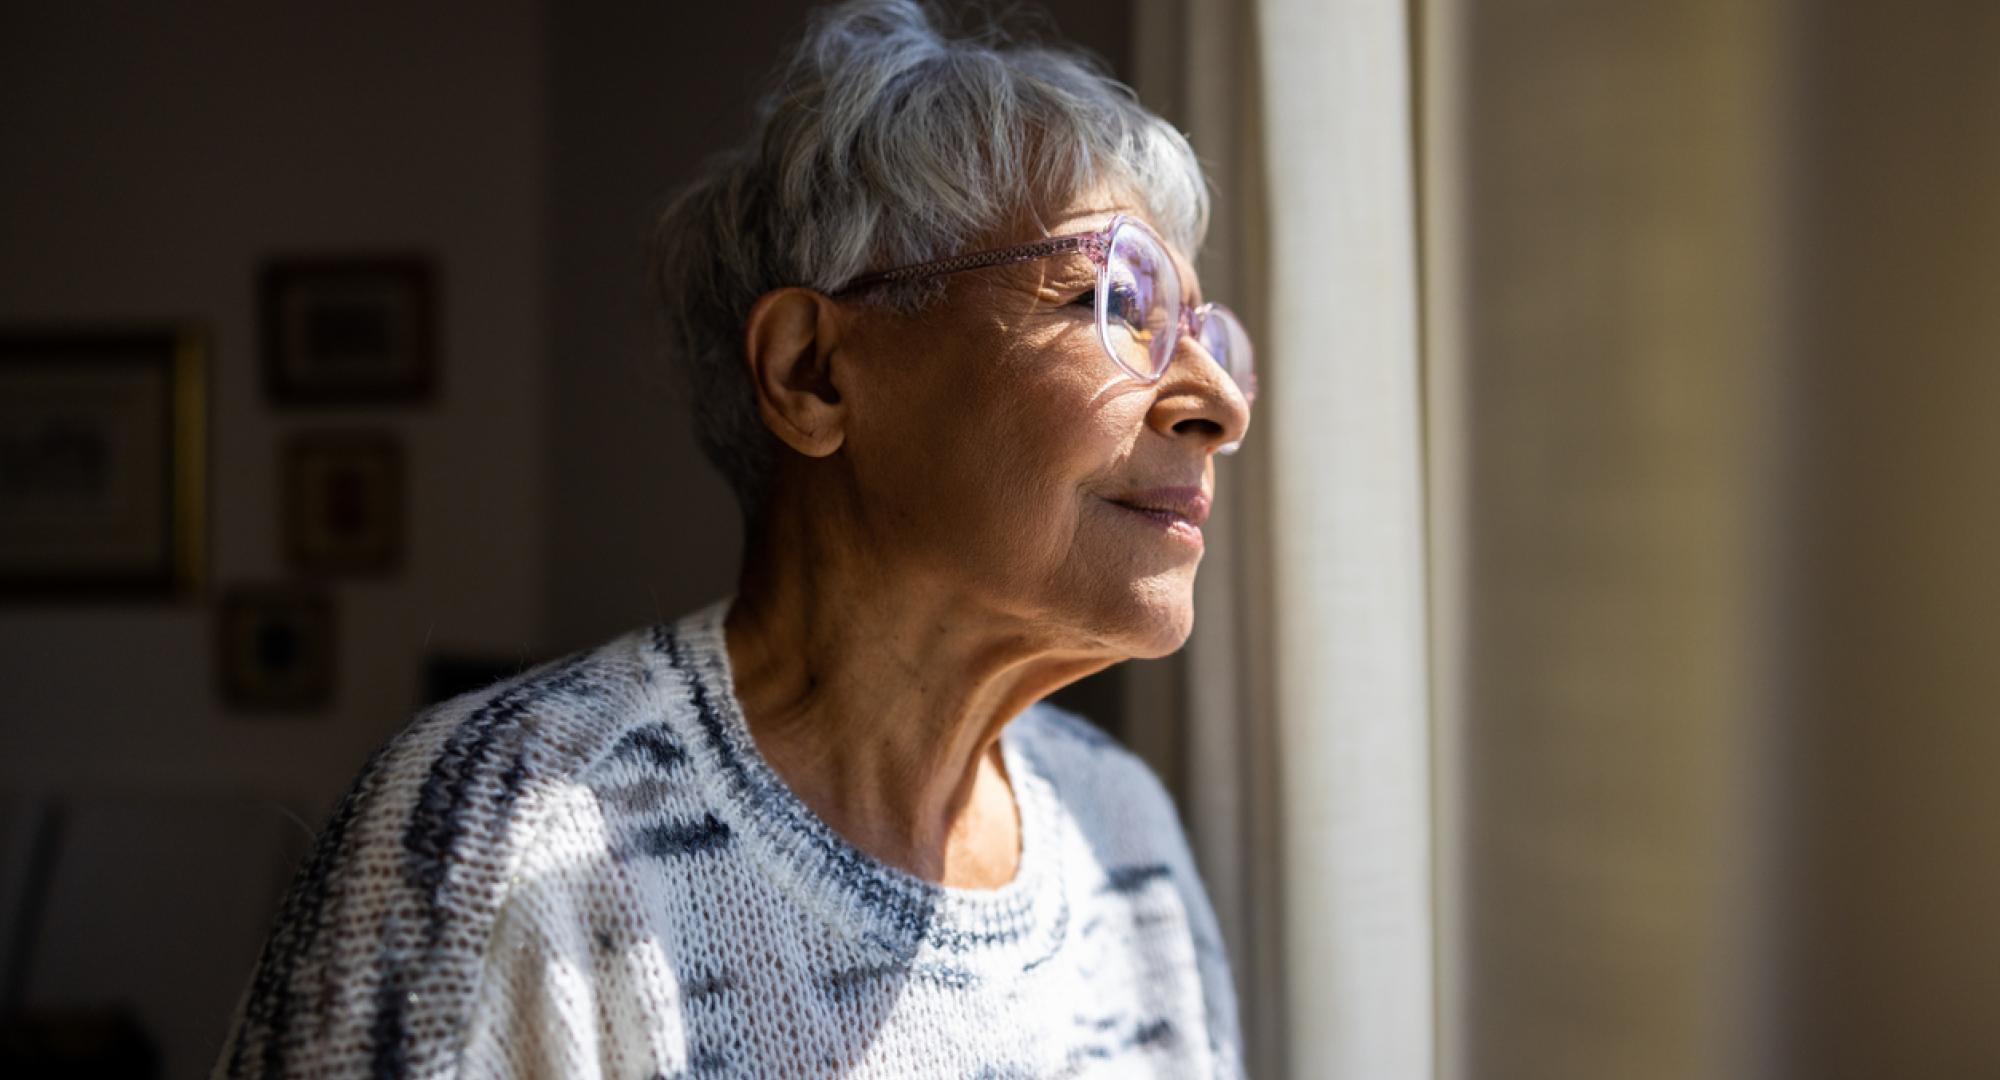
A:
(276, 647)
(344, 502)
(352, 331)
(103, 463)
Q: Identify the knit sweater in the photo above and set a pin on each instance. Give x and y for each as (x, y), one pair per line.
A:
(589, 870)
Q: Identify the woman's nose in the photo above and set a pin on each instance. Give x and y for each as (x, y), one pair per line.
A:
(1196, 398)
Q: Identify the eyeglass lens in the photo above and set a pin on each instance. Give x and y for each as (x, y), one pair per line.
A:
(1139, 313)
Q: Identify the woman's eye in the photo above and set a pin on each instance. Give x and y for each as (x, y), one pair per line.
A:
(1087, 299)
(1124, 306)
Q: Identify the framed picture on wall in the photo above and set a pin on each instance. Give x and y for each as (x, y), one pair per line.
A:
(103, 463)
(276, 646)
(344, 501)
(349, 331)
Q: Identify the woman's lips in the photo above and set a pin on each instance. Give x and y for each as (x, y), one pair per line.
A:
(1189, 501)
(1177, 512)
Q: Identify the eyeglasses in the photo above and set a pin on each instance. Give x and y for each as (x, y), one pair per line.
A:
(1140, 311)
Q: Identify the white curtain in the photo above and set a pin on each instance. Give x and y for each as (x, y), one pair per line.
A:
(1347, 537)
(1308, 761)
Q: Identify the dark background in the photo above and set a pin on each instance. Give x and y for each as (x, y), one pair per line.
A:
(157, 156)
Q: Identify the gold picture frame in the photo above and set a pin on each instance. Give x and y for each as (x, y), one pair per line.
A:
(103, 463)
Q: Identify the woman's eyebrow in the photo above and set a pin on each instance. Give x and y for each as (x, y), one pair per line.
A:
(1067, 274)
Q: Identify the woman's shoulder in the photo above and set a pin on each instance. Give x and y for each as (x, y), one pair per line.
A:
(485, 756)
(417, 859)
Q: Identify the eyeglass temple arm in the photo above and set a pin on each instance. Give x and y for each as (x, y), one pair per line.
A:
(1092, 245)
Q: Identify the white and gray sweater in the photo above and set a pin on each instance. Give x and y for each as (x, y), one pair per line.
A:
(589, 871)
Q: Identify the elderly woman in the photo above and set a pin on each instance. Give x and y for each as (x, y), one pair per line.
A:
(946, 344)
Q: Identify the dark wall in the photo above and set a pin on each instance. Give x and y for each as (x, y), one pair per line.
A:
(155, 156)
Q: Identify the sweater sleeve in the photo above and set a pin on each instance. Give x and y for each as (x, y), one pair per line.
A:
(376, 964)
(534, 1013)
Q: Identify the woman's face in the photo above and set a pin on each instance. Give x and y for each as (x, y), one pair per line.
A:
(1001, 456)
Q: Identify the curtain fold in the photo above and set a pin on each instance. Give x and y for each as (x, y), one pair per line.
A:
(1308, 749)
(1196, 66)
(1347, 541)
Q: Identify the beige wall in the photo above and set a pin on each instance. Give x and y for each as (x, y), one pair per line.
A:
(1614, 328)
(1713, 379)
(1895, 964)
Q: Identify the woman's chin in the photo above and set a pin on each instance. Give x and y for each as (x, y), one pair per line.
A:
(1158, 618)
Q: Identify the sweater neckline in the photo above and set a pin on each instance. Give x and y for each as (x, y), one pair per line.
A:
(948, 929)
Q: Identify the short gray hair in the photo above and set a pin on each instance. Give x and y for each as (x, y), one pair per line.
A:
(883, 142)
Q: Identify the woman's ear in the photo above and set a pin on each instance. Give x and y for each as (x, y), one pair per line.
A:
(788, 345)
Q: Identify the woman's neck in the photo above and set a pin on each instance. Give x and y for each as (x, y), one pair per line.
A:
(880, 700)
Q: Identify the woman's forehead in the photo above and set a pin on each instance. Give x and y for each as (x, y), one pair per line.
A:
(1091, 210)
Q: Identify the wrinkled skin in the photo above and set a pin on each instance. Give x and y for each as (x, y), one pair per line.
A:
(943, 545)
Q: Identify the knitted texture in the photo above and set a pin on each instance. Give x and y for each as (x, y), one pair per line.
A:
(589, 870)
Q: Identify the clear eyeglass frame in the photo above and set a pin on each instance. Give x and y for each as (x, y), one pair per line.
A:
(1134, 270)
